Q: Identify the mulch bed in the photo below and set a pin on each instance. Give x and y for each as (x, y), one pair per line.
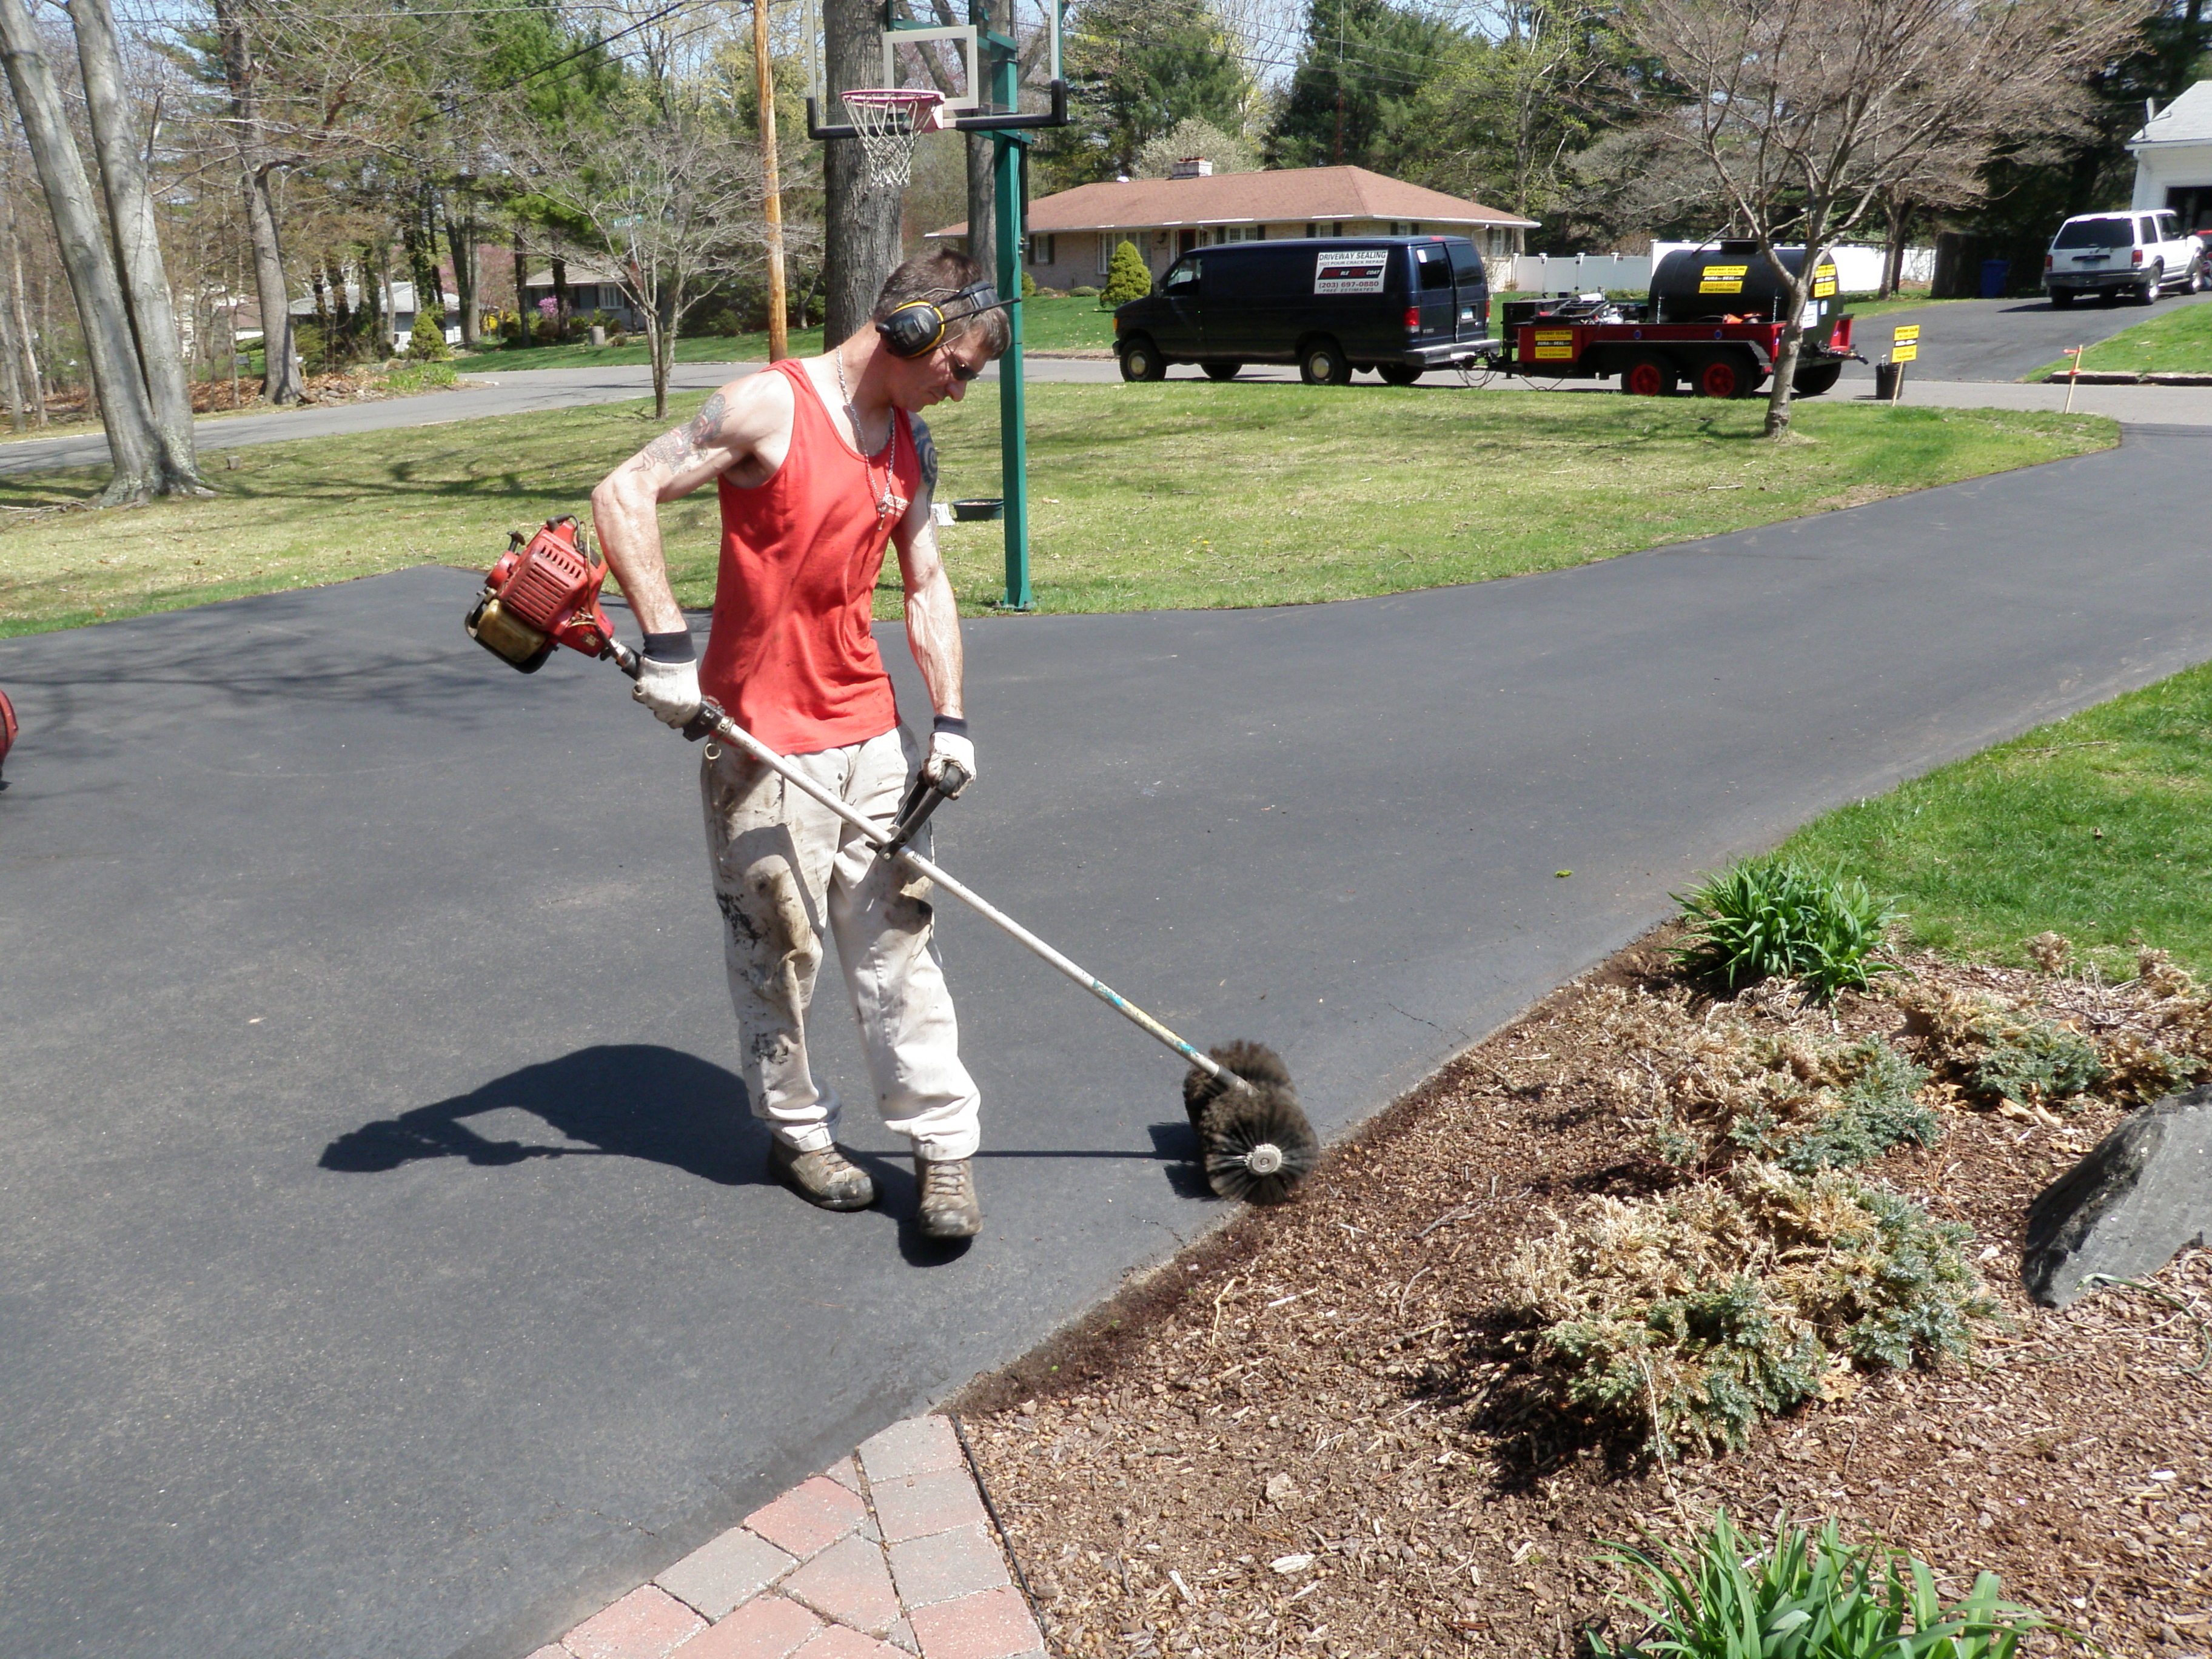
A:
(1337, 1380)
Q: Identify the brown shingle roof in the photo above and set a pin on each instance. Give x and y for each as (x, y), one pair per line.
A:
(1287, 194)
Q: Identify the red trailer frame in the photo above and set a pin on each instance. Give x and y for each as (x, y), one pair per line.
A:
(1727, 359)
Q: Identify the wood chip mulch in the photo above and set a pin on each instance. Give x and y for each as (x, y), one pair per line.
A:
(1309, 1433)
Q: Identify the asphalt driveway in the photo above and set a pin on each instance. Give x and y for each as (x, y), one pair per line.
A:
(388, 1264)
(2001, 339)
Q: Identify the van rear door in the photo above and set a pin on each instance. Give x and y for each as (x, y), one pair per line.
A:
(1432, 296)
(1472, 283)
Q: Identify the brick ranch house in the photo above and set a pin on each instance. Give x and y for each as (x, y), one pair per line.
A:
(1073, 234)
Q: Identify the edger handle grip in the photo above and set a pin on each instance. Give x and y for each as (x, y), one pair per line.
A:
(925, 800)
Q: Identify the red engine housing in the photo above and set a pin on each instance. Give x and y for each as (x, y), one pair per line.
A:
(542, 592)
(7, 728)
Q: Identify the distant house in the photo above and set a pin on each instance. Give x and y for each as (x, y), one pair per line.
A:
(1073, 234)
(401, 301)
(591, 288)
(2173, 159)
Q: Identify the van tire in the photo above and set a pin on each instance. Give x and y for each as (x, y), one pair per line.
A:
(1141, 359)
(1649, 374)
(2062, 299)
(1399, 373)
(1724, 375)
(1222, 371)
(1321, 361)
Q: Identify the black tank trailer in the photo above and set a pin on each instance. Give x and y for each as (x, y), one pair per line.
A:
(1710, 322)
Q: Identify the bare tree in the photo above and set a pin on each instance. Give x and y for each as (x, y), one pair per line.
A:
(670, 200)
(137, 242)
(257, 161)
(88, 260)
(1804, 112)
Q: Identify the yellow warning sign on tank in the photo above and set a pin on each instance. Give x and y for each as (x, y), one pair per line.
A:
(1554, 344)
(1823, 283)
(1721, 279)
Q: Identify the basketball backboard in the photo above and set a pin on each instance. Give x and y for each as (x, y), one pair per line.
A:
(959, 48)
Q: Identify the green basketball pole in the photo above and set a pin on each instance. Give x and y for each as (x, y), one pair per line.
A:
(1008, 156)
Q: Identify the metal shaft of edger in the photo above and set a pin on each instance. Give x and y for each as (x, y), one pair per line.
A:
(728, 729)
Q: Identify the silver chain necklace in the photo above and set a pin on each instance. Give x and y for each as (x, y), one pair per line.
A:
(868, 461)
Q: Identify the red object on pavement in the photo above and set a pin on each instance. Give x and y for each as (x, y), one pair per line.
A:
(8, 727)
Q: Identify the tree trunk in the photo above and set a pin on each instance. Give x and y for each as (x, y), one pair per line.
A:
(31, 371)
(860, 222)
(153, 313)
(18, 407)
(461, 241)
(560, 297)
(280, 378)
(85, 255)
(1795, 290)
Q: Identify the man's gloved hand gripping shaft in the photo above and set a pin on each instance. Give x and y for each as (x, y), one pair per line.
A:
(949, 741)
(668, 678)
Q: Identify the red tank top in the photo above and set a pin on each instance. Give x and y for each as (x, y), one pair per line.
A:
(790, 654)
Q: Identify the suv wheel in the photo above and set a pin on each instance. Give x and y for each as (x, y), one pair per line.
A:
(2152, 285)
(1322, 363)
(2198, 282)
(2062, 299)
(1141, 361)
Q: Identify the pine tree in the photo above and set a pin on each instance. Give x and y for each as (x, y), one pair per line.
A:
(1126, 278)
(426, 343)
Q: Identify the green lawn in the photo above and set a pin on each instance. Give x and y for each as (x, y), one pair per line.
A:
(1176, 494)
(1048, 325)
(2177, 342)
(2095, 827)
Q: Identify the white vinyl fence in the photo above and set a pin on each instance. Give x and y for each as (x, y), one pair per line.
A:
(1858, 269)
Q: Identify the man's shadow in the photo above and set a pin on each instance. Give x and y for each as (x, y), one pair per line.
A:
(629, 1100)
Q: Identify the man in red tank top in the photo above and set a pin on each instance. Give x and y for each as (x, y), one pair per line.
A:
(821, 463)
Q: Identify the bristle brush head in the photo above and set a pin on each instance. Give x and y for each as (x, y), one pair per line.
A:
(1255, 1142)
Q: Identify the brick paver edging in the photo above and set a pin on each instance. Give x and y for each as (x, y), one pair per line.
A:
(891, 1553)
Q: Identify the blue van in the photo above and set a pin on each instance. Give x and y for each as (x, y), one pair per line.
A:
(1397, 305)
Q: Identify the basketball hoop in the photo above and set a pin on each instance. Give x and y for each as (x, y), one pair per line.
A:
(889, 121)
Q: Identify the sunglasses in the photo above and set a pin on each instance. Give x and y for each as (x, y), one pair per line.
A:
(960, 372)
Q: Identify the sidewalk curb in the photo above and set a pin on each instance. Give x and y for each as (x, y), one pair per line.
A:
(894, 1552)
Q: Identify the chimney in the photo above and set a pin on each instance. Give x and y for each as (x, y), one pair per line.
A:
(1192, 166)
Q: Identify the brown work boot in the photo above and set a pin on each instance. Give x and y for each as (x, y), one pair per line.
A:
(948, 1207)
(827, 1177)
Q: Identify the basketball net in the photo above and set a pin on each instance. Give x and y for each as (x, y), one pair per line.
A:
(889, 122)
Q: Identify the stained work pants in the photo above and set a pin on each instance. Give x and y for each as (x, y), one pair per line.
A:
(788, 873)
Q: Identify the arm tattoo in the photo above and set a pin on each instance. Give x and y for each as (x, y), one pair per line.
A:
(679, 449)
(925, 449)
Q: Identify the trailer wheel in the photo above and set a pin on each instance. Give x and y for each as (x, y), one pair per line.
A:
(1141, 359)
(1725, 375)
(1222, 371)
(1399, 373)
(1650, 374)
(1812, 382)
(1322, 363)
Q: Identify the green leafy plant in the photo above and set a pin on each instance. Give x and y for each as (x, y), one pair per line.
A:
(426, 340)
(1126, 278)
(1764, 918)
(1686, 1318)
(1876, 1107)
(1807, 1595)
(417, 377)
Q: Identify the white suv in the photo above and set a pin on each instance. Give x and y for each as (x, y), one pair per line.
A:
(2113, 253)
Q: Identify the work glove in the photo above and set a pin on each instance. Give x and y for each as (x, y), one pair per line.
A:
(952, 746)
(670, 690)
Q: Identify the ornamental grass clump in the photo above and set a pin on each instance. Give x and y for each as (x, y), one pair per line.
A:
(1774, 917)
(1683, 1320)
(1732, 1595)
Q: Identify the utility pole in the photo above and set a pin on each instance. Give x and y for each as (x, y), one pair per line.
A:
(778, 341)
(1339, 82)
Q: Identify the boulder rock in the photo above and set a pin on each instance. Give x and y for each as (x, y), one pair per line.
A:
(2140, 1198)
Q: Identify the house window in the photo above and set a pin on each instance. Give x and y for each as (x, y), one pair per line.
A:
(1105, 252)
(1339, 231)
(1041, 250)
(1313, 229)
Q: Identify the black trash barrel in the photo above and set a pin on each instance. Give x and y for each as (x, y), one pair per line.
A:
(1888, 378)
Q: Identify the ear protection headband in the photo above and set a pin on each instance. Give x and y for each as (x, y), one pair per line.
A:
(918, 327)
